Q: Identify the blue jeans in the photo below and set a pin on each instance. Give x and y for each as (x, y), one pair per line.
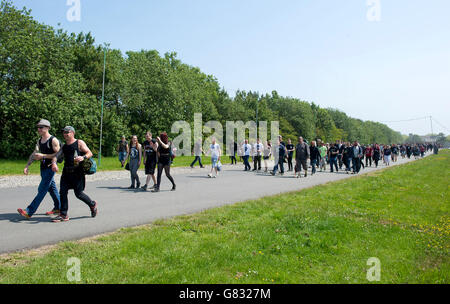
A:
(347, 164)
(199, 158)
(214, 161)
(246, 163)
(47, 185)
(279, 164)
(356, 164)
(122, 156)
(333, 161)
(314, 163)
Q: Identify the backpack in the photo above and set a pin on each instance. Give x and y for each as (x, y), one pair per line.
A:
(89, 166)
(172, 153)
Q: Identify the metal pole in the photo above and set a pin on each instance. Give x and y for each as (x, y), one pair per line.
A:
(257, 102)
(431, 121)
(101, 117)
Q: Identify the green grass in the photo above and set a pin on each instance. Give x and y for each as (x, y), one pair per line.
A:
(323, 234)
(15, 167)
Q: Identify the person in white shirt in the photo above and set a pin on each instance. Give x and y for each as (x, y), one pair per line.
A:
(258, 150)
(215, 152)
(246, 150)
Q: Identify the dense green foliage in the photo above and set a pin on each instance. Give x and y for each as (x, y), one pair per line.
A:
(48, 73)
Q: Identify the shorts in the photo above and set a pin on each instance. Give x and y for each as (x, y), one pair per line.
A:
(122, 156)
(214, 161)
(150, 167)
(301, 162)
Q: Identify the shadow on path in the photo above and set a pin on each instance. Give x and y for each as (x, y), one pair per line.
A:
(36, 219)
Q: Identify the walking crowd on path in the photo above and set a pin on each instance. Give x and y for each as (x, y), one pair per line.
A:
(158, 155)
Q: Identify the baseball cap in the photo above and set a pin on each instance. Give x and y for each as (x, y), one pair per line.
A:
(44, 123)
(69, 129)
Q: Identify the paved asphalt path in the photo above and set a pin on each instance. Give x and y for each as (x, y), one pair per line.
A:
(119, 207)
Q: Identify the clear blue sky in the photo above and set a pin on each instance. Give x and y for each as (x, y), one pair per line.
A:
(322, 51)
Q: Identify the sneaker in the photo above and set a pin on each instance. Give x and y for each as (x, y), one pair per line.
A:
(155, 189)
(60, 218)
(138, 185)
(23, 213)
(192, 167)
(131, 187)
(144, 187)
(53, 212)
(94, 210)
(209, 175)
(174, 187)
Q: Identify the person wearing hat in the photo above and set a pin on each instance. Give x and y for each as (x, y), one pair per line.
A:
(75, 151)
(46, 149)
(122, 149)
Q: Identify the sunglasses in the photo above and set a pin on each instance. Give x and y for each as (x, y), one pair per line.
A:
(41, 127)
(66, 132)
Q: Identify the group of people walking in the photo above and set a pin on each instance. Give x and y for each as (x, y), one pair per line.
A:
(48, 150)
(352, 156)
(154, 153)
(158, 154)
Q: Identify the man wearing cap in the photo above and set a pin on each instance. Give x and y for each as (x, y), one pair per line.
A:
(46, 149)
(75, 151)
(122, 148)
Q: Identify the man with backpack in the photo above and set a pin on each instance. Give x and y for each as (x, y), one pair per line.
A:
(46, 149)
(73, 176)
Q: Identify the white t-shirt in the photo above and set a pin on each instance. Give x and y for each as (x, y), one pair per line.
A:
(215, 150)
(257, 147)
(246, 149)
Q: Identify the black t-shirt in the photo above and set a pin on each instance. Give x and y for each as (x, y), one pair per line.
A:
(70, 152)
(333, 150)
(290, 147)
(46, 148)
(123, 146)
(149, 152)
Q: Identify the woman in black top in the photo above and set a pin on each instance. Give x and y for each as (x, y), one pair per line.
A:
(290, 151)
(314, 156)
(164, 160)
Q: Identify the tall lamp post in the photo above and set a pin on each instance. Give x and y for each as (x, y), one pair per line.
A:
(103, 98)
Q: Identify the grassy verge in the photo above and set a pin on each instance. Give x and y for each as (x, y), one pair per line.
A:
(324, 234)
(15, 167)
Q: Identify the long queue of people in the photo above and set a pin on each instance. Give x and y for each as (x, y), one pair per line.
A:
(159, 153)
(340, 156)
(352, 156)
